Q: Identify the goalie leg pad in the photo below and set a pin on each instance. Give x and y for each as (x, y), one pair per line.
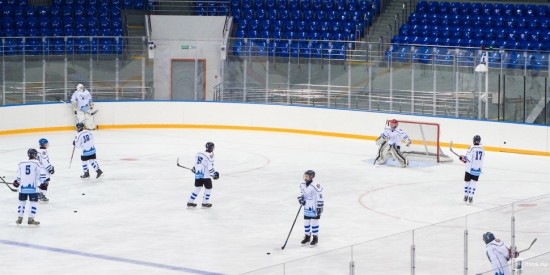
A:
(397, 155)
(382, 152)
(89, 122)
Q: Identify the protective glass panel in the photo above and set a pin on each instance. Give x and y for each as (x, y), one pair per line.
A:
(513, 95)
(34, 79)
(329, 263)
(372, 257)
(13, 80)
(423, 85)
(339, 76)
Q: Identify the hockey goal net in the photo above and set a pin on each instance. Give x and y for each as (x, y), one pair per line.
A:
(424, 141)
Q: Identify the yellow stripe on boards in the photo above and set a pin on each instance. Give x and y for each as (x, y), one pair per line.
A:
(264, 129)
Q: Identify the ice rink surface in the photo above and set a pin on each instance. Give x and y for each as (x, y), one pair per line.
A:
(134, 219)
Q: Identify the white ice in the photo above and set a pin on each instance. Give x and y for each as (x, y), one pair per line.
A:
(134, 219)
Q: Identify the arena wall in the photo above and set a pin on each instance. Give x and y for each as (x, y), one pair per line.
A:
(496, 136)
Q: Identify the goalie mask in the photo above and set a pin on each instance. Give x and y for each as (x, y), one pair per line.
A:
(308, 176)
(477, 140)
(394, 124)
(80, 87)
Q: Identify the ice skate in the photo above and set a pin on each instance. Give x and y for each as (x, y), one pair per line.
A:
(465, 198)
(191, 204)
(99, 173)
(86, 175)
(33, 222)
(314, 241)
(207, 205)
(43, 198)
(306, 239)
(470, 200)
(19, 220)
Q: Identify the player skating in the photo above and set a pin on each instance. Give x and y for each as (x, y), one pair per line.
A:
(474, 161)
(390, 143)
(29, 177)
(498, 254)
(312, 200)
(44, 161)
(83, 105)
(204, 173)
(85, 140)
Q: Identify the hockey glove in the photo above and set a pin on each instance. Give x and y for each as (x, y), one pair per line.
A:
(193, 170)
(73, 143)
(463, 159)
(43, 186)
(52, 170)
(302, 200)
(516, 254)
(320, 208)
(15, 183)
(216, 175)
(85, 108)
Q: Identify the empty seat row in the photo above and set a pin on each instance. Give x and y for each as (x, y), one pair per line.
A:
(307, 15)
(473, 42)
(282, 48)
(478, 21)
(52, 46)
(467, 58)
(325, 5)
(533, 35)
(509, 10)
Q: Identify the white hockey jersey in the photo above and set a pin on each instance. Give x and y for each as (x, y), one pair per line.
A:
(204, 165)
(313, 195)
(44, 161)
(81, 98)
(474, 162)
(29, 176)
(498, 255)
(85, 140)
(395, 136)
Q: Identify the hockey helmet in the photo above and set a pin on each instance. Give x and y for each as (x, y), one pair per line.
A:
(79, 126)
(80, 87)
(309, 175)
(477, 140)
(42, 142)
(394, 123)
(209, 147)
(488, 237)
(32, 153)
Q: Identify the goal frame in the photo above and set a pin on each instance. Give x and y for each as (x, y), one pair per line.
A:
(423, 141)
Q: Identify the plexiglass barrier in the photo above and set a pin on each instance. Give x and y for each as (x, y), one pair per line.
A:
(411, 79)
(455, 246)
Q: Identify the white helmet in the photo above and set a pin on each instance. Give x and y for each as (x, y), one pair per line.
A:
(80, 87)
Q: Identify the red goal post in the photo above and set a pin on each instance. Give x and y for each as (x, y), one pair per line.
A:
(425, 140)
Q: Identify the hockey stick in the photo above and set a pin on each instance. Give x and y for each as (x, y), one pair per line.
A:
(521, 251)
(8, 185)
(297, 214)
(72, 155)
(451, 149)
(184, 167)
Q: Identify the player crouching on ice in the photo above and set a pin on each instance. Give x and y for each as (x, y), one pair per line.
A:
(390, 143)
(498, 254)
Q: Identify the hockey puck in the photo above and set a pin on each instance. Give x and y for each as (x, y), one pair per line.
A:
(75, 211)
(268, 253)
(83, 194)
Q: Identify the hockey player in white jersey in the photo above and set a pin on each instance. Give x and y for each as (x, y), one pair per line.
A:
(474, 161)
(85, 141)
(498, 254)
(312, 200)
(390, 143)
(204, 173)
(83, 105)
(29, 177)
(44, 160)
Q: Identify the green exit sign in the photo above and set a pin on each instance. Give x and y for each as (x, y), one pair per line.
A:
(187, 47)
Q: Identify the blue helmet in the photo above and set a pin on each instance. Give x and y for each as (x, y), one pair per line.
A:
(42, 142)
(488, 237)
(32, 153)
